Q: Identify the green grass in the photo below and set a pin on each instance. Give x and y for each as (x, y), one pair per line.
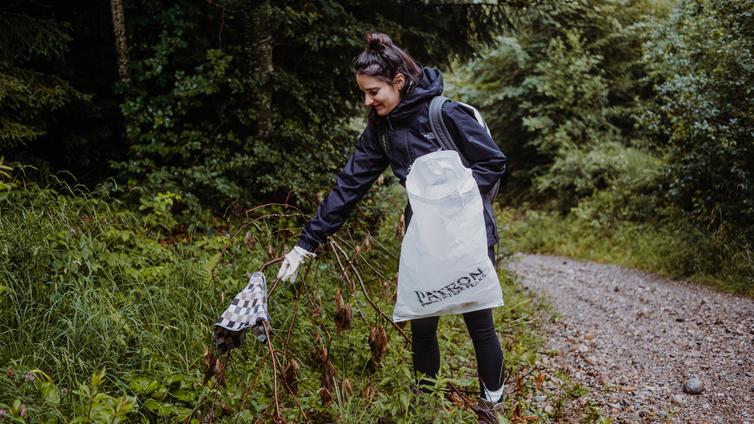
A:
(106, 312)
(672, 248)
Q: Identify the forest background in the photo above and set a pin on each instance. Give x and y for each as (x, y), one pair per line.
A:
(153, 153)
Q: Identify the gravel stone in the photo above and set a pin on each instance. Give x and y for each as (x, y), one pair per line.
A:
(693, 386)
(677, 399)
(681, 333)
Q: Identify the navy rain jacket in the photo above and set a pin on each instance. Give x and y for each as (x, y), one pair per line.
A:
(408, 136)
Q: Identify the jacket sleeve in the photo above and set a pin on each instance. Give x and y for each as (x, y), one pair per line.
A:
(487, 161)
(362, 169)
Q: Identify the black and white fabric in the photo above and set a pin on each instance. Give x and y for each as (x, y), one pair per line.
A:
(247, 310)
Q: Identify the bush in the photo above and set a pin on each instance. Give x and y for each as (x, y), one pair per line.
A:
(560, 92)
(702, 63)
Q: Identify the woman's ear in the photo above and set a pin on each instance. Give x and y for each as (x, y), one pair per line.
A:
(399, 81)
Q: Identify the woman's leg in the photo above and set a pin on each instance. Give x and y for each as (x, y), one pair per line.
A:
(489, 354)
(424, 346)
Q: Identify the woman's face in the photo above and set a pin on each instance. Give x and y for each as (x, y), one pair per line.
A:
(381, 95)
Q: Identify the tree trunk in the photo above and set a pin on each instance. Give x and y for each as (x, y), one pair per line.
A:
(259, 54)
(121, 44)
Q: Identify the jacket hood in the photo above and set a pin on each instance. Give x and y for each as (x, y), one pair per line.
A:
(430, 86)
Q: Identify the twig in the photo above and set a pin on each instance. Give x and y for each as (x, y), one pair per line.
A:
(376, 271)
(333, 245)
(383, 247)
(295, 399)
(293, 317)
(343, 271)
(467, 402)
(252, 386)
(270, 262)
(312, 302)
(274, 370)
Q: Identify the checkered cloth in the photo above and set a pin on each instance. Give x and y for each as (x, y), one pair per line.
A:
(247, 310)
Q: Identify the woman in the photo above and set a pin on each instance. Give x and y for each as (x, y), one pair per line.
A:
(398, 92)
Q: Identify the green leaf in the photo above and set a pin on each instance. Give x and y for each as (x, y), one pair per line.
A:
(143, 385)
(49, 392)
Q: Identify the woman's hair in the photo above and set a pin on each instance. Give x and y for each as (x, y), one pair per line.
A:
(384, 60)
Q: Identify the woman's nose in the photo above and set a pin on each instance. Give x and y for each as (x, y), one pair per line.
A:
(368, 100)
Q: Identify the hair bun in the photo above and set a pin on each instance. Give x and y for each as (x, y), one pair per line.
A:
(377, 42)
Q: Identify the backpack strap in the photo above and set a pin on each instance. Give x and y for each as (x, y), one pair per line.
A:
(440, 130)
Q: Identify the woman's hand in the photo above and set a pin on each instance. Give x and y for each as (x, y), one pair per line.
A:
(291, 262)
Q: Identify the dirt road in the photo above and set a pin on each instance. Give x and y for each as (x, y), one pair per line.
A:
(635, 339)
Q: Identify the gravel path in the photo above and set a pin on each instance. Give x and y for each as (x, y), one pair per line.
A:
(634, 339)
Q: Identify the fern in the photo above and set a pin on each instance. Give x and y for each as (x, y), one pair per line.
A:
(207, 271)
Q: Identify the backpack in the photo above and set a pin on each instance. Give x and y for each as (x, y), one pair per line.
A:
(446, 141)
(441, 133)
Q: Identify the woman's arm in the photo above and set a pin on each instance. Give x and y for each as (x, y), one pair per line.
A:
(362, 169)
(488, 163)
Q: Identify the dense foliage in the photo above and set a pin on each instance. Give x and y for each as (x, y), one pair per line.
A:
(57, 107)
(702, 60)
(91, 288)
(227, 101)
(29, 92)
(630, 123)
(560, 92)
(636, 113)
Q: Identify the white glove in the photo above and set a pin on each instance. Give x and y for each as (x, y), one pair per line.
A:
(292, 260)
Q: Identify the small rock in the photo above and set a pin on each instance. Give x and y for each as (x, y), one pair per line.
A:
(693, 386)
(633, 417)
(677, 399)
(539, 398)
(603, 379)
(548, 409)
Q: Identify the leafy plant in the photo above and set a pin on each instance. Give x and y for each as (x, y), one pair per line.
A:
(702, 65)
(87, 285)
(99, 407)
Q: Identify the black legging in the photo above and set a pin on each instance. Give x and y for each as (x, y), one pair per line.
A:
(489, 355)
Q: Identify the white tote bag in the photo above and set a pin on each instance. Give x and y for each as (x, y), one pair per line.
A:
(444, 267)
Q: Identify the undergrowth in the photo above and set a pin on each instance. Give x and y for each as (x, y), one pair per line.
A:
(106, 316)
(669, 246)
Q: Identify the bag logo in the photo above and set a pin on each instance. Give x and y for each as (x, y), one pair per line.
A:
(429, 136)
(453, 289)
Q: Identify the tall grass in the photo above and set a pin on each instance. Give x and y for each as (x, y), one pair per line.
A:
(89, 284)
(671, 246)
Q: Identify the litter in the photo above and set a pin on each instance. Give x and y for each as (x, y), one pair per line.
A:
(247, 310)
